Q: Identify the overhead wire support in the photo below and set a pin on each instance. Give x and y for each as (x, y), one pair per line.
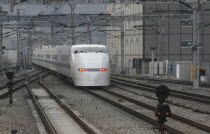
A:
(196, 7)
(122, 36)
(89, 34)
(2, 13)
(195, 47)
(1, 46)
(18, 65)
(29, 50)
(72, 25)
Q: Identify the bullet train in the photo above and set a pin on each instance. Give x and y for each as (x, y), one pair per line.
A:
(86, 64)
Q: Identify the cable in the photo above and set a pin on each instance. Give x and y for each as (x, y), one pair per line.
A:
(111, 34)
(106, 17)
(8, 35)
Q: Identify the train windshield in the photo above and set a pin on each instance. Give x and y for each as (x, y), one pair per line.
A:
(90, 50)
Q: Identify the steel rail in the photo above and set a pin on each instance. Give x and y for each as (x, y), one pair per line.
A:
(175, 93)
(133, 112)
(86, 126)
(44, 118)
(17, 81)
(5, 95)
(183, 82)
(150, 107)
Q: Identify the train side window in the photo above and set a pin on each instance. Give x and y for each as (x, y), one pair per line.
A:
(38, 55)
(42, 56)
(55, 57)
(34, 55)
(65, 58)
(76, 51)
(48, 56)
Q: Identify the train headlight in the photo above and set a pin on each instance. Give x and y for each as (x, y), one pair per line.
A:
(102, 69)
(81, 69)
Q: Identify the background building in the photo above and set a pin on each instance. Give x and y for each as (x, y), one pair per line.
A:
(133, 38)
(171, 38)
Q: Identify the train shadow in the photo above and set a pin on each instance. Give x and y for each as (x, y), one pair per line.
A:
(93, 88)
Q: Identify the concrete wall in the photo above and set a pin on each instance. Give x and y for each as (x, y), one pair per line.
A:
(167, 35)
(133, 39)
(183, 70)
(9, 59)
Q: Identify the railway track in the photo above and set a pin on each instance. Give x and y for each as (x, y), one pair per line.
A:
(57, 116)
(175, 93)
(20, 86)
(19, 80)
(182, 82)
(176, 124)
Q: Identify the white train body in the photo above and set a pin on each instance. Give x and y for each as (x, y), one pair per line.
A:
(87, 64)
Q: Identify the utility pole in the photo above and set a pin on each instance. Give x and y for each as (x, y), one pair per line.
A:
(1, 46)
(1, 40)
(122, 36)
(72, 7)
(29, 51)
(52, 33)
(52, 29)
(89, 34)
(18, 66)
(195, 47)
(21, 53)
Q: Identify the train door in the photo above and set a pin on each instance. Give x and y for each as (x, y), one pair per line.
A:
(208, 73)
(137, 65)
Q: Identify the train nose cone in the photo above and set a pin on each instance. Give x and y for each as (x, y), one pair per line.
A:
(93, 65)
(94, 76)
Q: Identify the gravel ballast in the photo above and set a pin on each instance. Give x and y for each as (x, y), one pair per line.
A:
(105, 117)
(187, 113)
(18, 116)
(173, 86)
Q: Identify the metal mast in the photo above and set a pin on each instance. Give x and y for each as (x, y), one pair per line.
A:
(18, 66)
(89, 34)
(1, 47)
(1, 38)
(29, 50)
(195, 48)
(72, 7)
(122, 36)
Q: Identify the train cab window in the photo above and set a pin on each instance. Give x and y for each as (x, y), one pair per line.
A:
(65, 58)
(91, 49)
(101, 50)
(55, 57)
(47, 56)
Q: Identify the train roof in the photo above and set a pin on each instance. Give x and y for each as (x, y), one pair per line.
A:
(88, 45)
